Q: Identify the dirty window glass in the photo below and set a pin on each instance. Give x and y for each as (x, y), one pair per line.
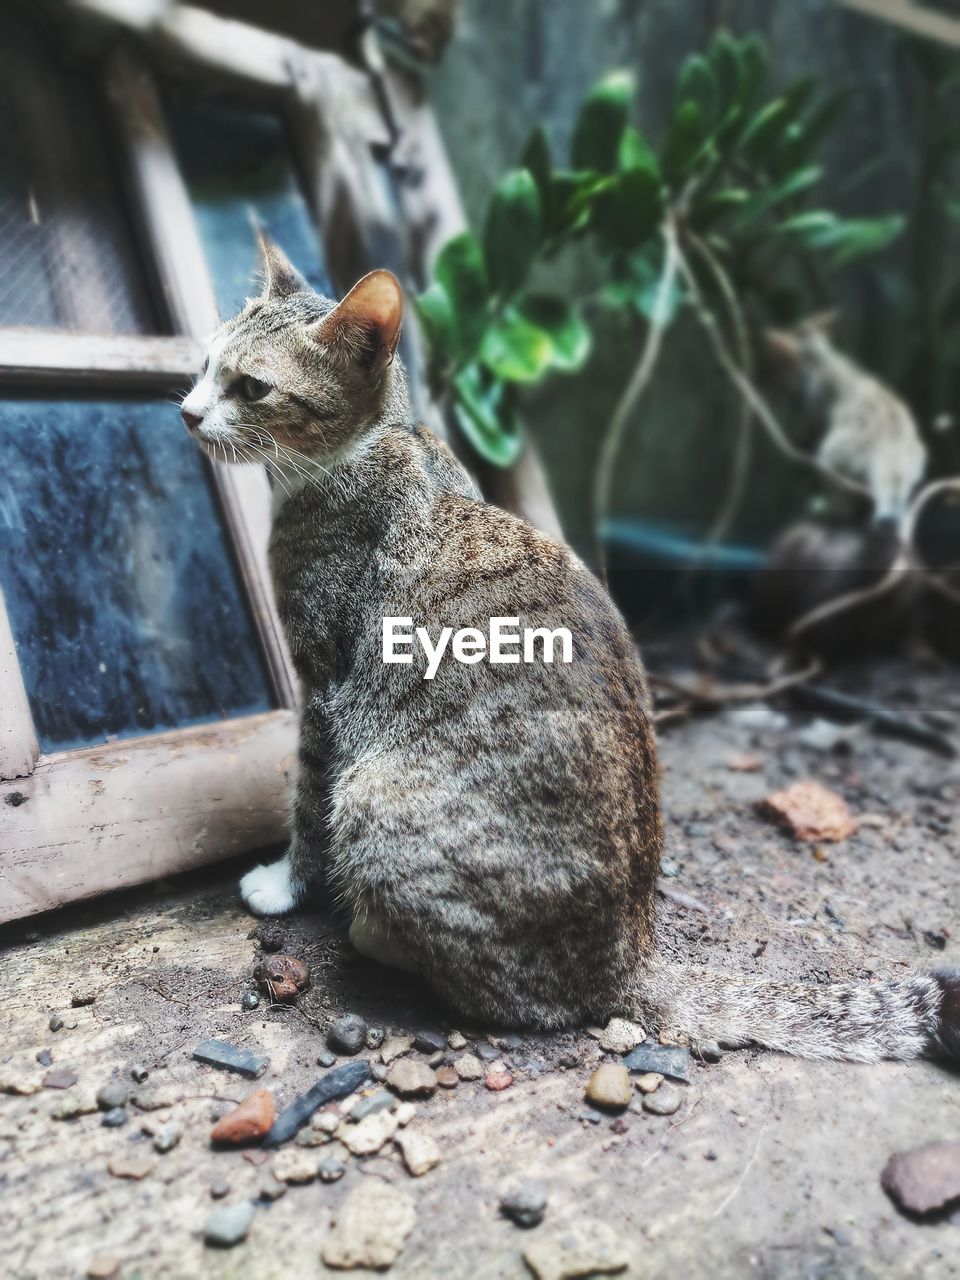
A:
(68, 253)
(125, 602)
(237, 166)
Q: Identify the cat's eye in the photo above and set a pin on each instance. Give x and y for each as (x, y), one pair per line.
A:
(248, 388)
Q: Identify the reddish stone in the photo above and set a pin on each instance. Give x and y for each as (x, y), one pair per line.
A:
(249, 1122)
(924, 1180)
(282, 977)
(497, 1080)
(810, 812)
(60, 1078)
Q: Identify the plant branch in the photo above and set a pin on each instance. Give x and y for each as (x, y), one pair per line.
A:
(626, 405)
(743, 447)
(753, 397)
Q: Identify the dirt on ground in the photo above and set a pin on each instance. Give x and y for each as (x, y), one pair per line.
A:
(770, 1167)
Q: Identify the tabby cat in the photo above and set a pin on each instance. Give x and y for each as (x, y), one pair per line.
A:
(496, 828)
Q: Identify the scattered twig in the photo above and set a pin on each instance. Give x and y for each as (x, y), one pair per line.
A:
(714, 694)
(849, 706)
(623, 413)
(666, 890)
(735, 1189)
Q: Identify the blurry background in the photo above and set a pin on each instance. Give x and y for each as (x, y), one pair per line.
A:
(614, 223)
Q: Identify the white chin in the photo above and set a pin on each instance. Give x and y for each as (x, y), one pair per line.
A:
(269, 890)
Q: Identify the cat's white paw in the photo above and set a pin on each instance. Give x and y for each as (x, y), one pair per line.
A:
(269, 890)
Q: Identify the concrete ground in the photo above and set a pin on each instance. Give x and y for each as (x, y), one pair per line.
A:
(770, 1168)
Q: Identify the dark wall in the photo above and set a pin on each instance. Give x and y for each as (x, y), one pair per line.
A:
(513, 65)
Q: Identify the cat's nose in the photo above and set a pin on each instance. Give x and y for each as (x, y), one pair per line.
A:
(192, 420)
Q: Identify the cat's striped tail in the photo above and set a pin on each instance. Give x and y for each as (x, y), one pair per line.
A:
(907, 1017)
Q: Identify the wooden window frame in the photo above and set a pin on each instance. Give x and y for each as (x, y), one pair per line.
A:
(78, 823)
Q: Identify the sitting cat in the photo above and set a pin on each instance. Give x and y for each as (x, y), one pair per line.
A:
(495, 828)
(866, 433)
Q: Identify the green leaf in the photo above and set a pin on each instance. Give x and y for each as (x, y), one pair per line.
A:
(536, 158)
(684, 141)
(636, 152)
(436, 317)
(563, 325)
(775, 194)
(512, 230)
(848, 238)
(697, 83)
(486, 414)
(596, 135)
(765, 129)
(725, 58)
(461, 272)
(628, 209)
(861, 236)
(516, 350)
(713, 206)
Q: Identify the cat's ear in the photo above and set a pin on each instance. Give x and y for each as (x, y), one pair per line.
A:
(280, 277)
(365, 325)
(783, 346)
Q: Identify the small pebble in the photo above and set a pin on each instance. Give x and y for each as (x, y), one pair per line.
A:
(250, 1121)
(379, 1072)
(394, 1046)
(282, 978)
(486, 1052)
(436, 1059)
(44, 1057)
(228, 1226)
(375, 1037)
(620, 1036)
(139, 1073)
(103, 1266)
(429, 1041)
(294, 1164)
(56, 1023)
(707, 1050)
(326, 1059)
(270, 1188)
(649, 1082)
(405, 1113)
(111, 1095)
(447, 1078)
(610, 1087)
(75, 1104)
(348, 1034)
(497, 1081)
(367, 1137)
(420, 1152)
(664, 1102)
(619, 1126)
(78, 999)
(270, 936)
(411, 1078)
(469, 1067)
(166, 1138)
(131, 1166)
(331, 1169)
(114, 1118)
(456, 1040)
(370, 1105)
(525, 1205)
(250, 1000)
(219, 1188)
(60, 1078)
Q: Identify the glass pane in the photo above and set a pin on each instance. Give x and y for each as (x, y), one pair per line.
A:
(125, 603)
(237, 166)
(68, 255)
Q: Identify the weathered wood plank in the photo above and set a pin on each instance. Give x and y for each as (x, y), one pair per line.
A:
(18, 740)
(88, 822)
(78, 359)
(911, 17)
